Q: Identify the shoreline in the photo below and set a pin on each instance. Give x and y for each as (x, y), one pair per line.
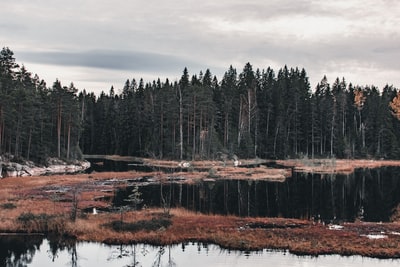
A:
(298, 237)
(42, 195)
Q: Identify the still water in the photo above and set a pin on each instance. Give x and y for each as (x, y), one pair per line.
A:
(368, 195)
(42, 253)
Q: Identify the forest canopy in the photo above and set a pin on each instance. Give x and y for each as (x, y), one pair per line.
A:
(252, 113)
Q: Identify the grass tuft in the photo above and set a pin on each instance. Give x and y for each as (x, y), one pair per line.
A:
(8, 206)
(41, 223)
(144, 225)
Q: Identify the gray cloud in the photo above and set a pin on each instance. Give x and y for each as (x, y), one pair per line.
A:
(109, 59)
(359, 39)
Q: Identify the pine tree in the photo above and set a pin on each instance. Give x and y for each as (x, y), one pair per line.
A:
(229, 99)
(7, 74)
(247, 110)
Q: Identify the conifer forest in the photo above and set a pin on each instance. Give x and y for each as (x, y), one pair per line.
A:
(249, 113)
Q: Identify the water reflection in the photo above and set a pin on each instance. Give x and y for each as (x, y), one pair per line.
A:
(18, 251)
(369, 195)
(27, 252)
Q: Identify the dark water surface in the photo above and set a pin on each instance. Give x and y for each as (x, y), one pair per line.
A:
(369, 195)
(40, 252)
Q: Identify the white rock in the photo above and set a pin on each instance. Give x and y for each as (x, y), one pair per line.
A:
(375, 236)
(335, 227)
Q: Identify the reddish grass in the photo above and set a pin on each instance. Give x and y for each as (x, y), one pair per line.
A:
(31, 194)
(329, 166)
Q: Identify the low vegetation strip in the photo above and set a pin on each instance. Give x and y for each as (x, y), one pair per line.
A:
(153, 224)
(27, 206)
(332, 166)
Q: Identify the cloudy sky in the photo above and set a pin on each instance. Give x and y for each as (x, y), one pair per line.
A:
(99, 43)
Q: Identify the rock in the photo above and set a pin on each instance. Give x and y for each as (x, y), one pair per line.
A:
(11, 173)
(18, 167)
(184, 164)
(28, 168)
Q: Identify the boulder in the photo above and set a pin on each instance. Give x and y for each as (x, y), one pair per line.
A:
(55, 166)
(17, 167)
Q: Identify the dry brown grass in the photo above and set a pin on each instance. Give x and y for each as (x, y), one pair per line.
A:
(297, 236)
(30, 194)
(329, 166)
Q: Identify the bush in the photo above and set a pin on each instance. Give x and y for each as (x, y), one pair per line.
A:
(26, 217)
(8, 206)
(144, 225)
(41, 223)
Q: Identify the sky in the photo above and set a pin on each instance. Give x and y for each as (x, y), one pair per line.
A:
(97, 44)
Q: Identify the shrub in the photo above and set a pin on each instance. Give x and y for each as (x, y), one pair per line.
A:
(8, 206)
(144, 225)
(41, 223)
(26, 217)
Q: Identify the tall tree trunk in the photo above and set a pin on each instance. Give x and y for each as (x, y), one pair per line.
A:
(249, 109)
(69, 136)
(194, 128)
(202, 136)
(226, 129)
(180, 124)
(59, 113)
(174, 138)
(240, 125)
(210, 134)
(312, 135)
(256, 136)
(29, 144)
(333, 123)
(18, 131)
(343, 121)
(332, 134)
(267, 128)
(275, 138)
(161, 148)
(321, 141)
(363, 134)
(188, 130)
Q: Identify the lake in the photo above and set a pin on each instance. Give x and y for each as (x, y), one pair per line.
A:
(367, 195)
(35, 251)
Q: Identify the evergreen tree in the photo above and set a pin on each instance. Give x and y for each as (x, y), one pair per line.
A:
(253, 114)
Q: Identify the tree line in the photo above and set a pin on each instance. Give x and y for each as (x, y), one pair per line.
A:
(254, 113)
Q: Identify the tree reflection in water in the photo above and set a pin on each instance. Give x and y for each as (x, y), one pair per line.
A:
(18, 250)
(39, 253)
(58, 244)
(369, 195)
